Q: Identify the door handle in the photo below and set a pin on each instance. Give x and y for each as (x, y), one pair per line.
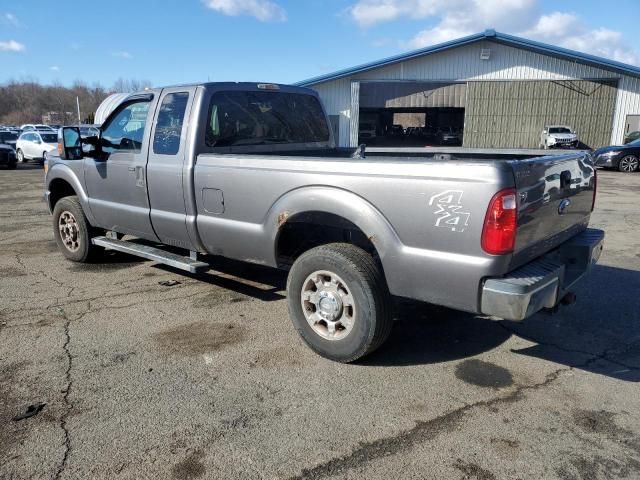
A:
(139, 176)
(132, 169)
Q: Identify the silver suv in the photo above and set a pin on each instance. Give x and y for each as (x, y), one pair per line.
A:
(560, 136)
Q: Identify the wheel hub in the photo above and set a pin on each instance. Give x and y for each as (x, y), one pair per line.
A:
(328, 305)
(69, 232)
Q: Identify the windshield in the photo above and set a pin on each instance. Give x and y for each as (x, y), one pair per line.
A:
(559, 130)
(258, 118)
(49, 137)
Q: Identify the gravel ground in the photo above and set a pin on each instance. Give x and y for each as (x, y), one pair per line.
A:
(207, 379)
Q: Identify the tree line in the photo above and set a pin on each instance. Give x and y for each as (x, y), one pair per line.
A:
(27, 101)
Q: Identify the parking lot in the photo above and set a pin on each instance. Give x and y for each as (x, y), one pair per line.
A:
(206, 378)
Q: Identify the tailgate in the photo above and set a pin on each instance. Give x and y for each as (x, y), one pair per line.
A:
(555, 195)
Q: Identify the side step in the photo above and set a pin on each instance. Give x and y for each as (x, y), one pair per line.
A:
(156, 254)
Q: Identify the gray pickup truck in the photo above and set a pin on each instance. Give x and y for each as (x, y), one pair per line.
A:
(251, 172)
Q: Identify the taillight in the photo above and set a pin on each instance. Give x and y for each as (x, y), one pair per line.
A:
(499, 230)
(595, 188)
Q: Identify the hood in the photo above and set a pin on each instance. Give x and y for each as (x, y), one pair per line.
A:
(611, 148)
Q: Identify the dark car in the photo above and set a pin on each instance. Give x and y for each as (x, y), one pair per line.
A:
(8, 137)
(7, 156)
(625, 158)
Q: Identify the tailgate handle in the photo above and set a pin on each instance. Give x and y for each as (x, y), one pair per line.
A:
(565, 179)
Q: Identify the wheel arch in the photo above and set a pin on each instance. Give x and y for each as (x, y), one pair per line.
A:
(62, 182)
(332, 209)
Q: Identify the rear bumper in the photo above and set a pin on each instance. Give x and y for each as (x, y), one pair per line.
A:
(543, 282)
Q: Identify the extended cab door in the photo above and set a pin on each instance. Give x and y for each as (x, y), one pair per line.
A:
(166, 170)
(115, 175)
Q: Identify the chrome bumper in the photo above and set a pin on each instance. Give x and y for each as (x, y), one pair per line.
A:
(542, 283)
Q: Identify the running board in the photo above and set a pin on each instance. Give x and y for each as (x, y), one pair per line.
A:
(156, 254)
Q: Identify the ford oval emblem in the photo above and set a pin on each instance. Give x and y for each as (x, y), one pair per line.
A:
(564, 204)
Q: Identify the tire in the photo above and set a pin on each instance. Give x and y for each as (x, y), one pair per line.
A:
(20, 156)
(74, 243)
(364, 308)
(628, 164)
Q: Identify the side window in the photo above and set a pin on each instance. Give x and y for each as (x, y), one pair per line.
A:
(126, 128)
(166, 140)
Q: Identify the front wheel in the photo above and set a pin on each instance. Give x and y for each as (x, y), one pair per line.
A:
(72, 231)
(339, 302)
(628, 164)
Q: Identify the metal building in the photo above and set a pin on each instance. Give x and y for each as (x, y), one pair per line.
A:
(498, 90)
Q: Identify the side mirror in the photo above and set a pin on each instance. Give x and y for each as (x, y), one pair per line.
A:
(69, 143)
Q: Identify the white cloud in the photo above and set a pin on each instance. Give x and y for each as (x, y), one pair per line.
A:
(125, 55)
(456, 18)
(11, 46)
(54, 68)
(569, 30)
(11, 19)
(263, 10)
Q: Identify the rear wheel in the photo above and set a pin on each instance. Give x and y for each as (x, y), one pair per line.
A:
(339, 302)
(72, 230)
(20, 156)
(628, 164)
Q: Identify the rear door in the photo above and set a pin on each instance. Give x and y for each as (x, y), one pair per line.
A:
(116, 177)
(168, 155)
(555, 195)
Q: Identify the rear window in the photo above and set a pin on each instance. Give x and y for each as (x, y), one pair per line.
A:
(242, 118)
(49, 137)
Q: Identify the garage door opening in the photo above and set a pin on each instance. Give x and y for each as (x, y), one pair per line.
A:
(410, 114)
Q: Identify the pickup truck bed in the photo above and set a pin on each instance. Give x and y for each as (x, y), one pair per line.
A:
(493, 236)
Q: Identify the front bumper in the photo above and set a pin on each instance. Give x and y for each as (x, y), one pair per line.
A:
(543, 282)
(606, 160)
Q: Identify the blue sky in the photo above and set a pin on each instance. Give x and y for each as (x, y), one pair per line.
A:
(284, 41)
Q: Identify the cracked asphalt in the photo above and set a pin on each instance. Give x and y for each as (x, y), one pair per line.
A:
(207, 379)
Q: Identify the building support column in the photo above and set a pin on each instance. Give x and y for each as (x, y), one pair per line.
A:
(354, 114)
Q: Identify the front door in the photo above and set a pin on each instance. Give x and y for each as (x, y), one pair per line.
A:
(168, 154)
(116, 174)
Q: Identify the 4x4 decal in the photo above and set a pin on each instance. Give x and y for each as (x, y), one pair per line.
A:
(449, 211)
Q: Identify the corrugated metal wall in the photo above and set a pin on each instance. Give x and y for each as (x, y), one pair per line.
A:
(412, 95)
(512, 114)
(463, 63)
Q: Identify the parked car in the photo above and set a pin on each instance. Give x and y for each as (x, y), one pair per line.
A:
(449, 136)
(625, 158)
(29, 127)
(396, 131)
(7, 156)
(631, 137)
(558, 136)
(251, 172)
(8, 137)
(36, 145)
(367, 131)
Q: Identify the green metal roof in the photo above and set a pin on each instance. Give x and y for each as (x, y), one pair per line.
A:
(492, 35)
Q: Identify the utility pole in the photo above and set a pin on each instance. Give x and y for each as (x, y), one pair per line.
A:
(78, 104)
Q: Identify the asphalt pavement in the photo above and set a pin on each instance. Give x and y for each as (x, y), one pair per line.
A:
(206, 378)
